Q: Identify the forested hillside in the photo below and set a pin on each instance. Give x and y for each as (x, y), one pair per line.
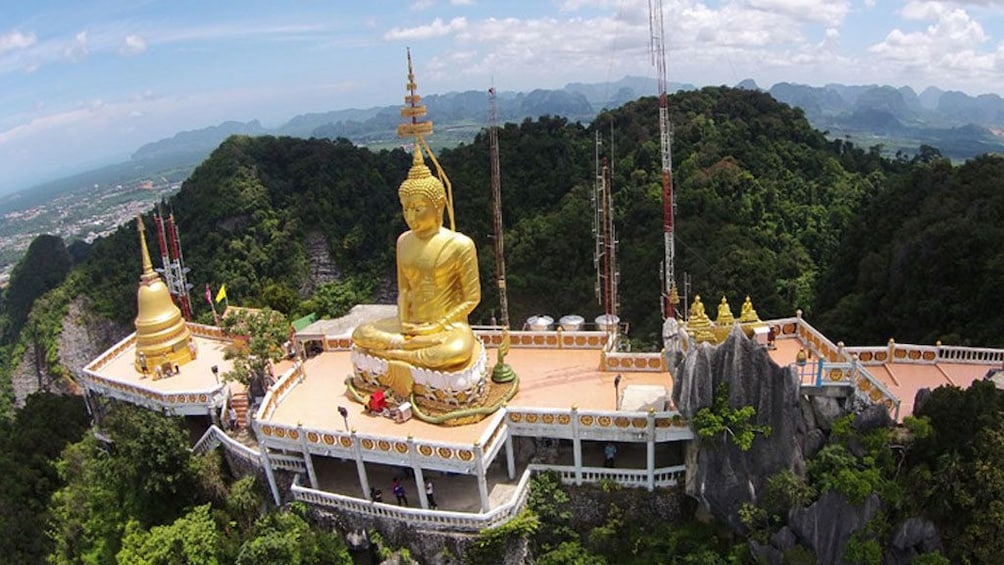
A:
(763, 202)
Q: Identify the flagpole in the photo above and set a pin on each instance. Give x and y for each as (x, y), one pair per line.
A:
(209, 299)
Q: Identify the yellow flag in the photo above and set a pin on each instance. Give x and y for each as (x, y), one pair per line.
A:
(222, 294)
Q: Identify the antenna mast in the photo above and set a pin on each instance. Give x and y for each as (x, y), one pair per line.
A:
(605, 256)
(493, 137)
(174, 268)
(670, 297)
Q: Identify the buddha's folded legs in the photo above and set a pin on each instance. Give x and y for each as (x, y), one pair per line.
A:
(449, 349)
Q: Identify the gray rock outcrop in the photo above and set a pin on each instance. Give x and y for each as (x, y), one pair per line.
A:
(720, 474)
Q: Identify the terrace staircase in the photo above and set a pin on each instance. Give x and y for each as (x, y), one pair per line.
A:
(240, 403)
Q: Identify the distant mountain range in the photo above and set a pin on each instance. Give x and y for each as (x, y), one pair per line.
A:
(959, 125)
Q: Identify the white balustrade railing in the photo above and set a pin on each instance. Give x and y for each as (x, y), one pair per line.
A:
(431, 519)
(194, 402)
(548, 339)
(278, 391)
(644, 362)
(214, 437)
(637, 478)
(614, 425)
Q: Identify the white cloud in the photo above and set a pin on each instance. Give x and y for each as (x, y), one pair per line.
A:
(133, 45)
(77, 49)
(436, 29)
(829, 12)
(420, 5)
(16, 40)
(461, 2)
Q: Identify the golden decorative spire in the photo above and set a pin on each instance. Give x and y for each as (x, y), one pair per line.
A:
(161, 334)
(414, 128)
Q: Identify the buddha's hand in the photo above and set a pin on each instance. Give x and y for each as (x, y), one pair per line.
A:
(428, 328)
(423, 341)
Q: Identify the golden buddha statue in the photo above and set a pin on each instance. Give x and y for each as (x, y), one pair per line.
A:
(699, 324)
(438, 284)
(725, 317)
(748, 314)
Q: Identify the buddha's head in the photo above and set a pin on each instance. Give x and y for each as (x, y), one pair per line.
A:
(423, 198)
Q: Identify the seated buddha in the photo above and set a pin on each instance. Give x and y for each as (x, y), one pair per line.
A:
(438, 285)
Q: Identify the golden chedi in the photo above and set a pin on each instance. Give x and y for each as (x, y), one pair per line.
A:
(162, 337)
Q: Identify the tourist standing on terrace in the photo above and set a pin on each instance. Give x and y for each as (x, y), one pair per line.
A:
(398, 490)
(609, 452)
(429, 496)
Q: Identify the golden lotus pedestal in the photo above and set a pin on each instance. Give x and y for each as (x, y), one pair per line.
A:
(450, 398)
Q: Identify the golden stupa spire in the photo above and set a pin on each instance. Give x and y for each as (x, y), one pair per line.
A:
(163, 340)
(411, 111)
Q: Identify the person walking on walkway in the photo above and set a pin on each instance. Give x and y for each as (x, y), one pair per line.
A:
(609, 452)
(429, 496)
(398, 490)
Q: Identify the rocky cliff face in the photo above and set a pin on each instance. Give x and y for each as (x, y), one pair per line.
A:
(85, 335)
(721, 475)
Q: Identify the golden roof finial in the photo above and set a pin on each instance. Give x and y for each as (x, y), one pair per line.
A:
(414, 128)
(148, 272)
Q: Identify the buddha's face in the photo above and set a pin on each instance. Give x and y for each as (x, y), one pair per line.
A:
(421, 213)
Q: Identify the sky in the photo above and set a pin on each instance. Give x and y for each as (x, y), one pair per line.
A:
(83, 84)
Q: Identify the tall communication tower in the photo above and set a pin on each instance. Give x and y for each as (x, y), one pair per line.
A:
(493, 137)
(670, 296)
(605, 255)
(174, 270)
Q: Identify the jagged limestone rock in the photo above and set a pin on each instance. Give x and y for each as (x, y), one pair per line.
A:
(719, 474)
(915, 537)
(827, 524)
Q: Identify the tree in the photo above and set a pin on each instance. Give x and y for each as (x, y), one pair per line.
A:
(193, 539)
(258, 338)
(730, 423)
(286, 537)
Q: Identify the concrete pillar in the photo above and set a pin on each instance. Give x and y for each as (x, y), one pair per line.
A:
(650, 454)
(419, 477)
(267, 463)
(357, 450)
(510, 456)
(479, 461)
(307, 460)
(576, 446)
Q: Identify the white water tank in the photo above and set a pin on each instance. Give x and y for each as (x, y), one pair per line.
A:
(540, 323)
(607, 322)
(571, 322)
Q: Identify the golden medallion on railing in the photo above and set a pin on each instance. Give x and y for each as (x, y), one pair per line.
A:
(203, 397)
(655, 362)
(445, 452)
(604, 421)
(639, 422)
(621, 422)
(367, 443)
(888, 405)
(192, 398)
(425, 450)
(531, 418)
(465, 454)
(547, 418)
(613, 361)
(865, 356)
(384, 445)
(567, 340)
(267, 430)
(329, 439)
(663, 422)
(593, 340)
(551, 340)
(401, 447)
(293, 434)
(538, 340)
(515, 417)
(580, 340)
(914, 355)
(881, 356)
(787, 329)
(586, 420)
(929, 356)
(836, 375)
(876, 394)
(345, 441)
(564, 419)
(280, 432)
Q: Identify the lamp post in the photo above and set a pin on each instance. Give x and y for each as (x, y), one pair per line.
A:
(345, 416)
(216, 372)
(617, 395)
